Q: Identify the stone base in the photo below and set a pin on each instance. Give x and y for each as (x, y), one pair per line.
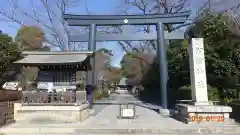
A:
(52, 114)
(201, 103)
(164, 112)
(203, 114)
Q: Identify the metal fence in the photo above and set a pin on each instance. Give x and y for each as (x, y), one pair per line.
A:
(53, 97)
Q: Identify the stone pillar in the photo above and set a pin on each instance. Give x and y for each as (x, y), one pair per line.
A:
(198, 72)
(201, 111)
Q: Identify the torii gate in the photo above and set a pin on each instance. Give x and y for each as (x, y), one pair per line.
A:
(112, 20)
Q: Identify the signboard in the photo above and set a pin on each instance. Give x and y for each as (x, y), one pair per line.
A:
(127, 112)
(42, 85)
(50, 86)
(10, 85)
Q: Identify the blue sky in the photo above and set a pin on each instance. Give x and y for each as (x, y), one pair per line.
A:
(95, 7)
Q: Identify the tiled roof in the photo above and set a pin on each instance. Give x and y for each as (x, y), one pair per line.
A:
(53, 57)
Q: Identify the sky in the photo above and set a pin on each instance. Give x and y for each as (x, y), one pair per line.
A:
(94, 6)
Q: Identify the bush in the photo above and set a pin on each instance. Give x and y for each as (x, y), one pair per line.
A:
(213, 93)
(99, 94)
(184, 93)
(96, 94)
(105, 93)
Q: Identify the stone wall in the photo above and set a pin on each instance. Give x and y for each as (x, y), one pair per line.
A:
(50, 114)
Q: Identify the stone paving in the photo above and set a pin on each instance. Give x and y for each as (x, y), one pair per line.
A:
(106, 122)
(99, 107)
(147, 121)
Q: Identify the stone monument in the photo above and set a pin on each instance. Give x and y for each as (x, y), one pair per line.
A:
(200, 110)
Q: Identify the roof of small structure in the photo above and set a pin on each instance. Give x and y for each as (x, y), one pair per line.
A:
(57, 58)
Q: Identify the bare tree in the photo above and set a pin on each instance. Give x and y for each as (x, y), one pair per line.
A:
(48, 15)
(166, 6)
(145, 7)
(221, 6)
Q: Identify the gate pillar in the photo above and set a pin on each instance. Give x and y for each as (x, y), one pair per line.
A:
(91, 78)
(163, 67)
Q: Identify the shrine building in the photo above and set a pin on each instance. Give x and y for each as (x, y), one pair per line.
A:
(57, 70)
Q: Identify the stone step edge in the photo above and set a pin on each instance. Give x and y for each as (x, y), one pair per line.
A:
(121, 131)
(91, 134)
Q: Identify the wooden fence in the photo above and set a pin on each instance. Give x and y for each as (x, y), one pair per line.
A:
(7, 99)
(10, 95)
(53, 97)
(6, 112)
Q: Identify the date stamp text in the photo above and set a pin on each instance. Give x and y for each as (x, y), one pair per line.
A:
(196, 118)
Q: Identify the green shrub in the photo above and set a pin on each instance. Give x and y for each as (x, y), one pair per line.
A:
(184, 93)
(99, 94)
(96, 94)
(105, 93)
(213, 93)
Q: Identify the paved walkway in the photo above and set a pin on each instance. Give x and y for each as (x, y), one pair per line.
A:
(106, 122)
(99, 107)
(146, 118)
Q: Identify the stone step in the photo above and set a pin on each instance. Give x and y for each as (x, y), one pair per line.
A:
(113, 134)
(78, 131)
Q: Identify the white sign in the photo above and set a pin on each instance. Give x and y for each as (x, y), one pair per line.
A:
(42, 85)
(50, 87)
(10, 85)
(198, 71)
(127, 113)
